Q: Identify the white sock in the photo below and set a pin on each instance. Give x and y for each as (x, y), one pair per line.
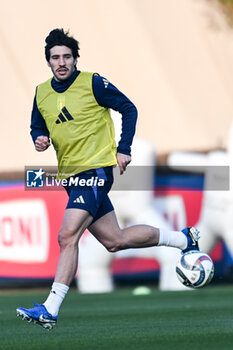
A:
(55, 298)
(174, 239)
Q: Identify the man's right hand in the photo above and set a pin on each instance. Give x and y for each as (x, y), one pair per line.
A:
(42, 143)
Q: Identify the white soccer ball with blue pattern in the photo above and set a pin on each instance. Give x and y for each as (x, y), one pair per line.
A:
(195, 269)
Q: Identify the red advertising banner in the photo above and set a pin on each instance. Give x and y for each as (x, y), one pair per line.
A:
(29, 225)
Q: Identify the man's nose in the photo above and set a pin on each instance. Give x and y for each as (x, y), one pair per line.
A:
(61, 61)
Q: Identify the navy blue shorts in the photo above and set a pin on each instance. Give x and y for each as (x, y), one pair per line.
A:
(89, 191)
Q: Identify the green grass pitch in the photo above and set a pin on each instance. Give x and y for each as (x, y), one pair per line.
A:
(195, 320)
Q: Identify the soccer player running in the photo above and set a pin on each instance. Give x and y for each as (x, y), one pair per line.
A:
(72, 109)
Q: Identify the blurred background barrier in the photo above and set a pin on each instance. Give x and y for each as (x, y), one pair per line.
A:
(28, 237)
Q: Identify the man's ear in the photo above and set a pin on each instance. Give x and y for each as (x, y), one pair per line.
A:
(48, 64)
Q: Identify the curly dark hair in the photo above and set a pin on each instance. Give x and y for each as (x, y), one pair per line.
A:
(60, 38)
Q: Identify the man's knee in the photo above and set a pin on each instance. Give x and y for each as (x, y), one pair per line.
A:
(113, 248)
(116, 244)
(67, 237)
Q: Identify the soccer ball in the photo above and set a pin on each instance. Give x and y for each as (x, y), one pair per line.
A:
(195, 269)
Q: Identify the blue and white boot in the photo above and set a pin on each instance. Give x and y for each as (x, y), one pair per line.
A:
(193, 235)
(38, 315)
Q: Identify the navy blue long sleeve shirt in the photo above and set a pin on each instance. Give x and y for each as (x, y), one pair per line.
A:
(106, 95)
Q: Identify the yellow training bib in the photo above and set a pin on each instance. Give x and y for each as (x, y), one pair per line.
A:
(82, 132)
